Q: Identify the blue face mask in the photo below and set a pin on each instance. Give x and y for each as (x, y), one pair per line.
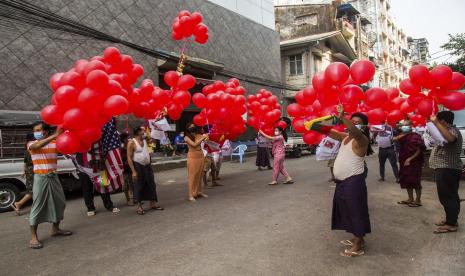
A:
(359, 126)
(38, 135)
(405, 128)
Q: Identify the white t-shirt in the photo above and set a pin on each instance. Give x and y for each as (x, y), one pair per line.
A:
(384, 138)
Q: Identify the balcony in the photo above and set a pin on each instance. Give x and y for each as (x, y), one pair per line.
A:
(346, 27)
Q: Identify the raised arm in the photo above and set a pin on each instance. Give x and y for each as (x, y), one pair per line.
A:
(359, 137)
(42, 143)
(195, 143)
(267, 136)
(448, 136)
(337, 135)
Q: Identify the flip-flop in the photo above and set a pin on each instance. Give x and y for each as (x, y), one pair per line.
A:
(348, 253)
(415, 205)
(273, 183)
(140, 212)
(289, 182)
(346, 242)
(115, 210)
(158, 208)
(404, 202)
(62, 233)
(445, 230)
(38, 245)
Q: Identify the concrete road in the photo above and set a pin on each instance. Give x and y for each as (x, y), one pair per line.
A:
(243, 228)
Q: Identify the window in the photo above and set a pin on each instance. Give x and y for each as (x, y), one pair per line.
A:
(295, 65)
(317, 63)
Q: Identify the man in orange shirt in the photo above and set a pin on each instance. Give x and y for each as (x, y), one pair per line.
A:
(48, 202)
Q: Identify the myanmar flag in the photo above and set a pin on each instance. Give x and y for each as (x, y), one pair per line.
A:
(323, 124)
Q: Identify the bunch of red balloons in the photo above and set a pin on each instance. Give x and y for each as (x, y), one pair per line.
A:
(88, 95)
(222, 108)
(264, 112)
(187, 24)
(338, 84)
(148, 100)
(427, 89)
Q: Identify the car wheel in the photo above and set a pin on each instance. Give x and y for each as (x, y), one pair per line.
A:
(9, 194)
(297, 152)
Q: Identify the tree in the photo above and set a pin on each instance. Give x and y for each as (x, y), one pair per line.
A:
(456, 46)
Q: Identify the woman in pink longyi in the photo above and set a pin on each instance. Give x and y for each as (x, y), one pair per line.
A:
(279, 155)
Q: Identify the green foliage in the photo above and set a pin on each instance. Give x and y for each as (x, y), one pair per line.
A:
(456, 46)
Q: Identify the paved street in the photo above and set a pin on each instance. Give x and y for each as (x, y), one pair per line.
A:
(243, 228)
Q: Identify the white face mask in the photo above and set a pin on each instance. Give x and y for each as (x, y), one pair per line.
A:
(276, 133)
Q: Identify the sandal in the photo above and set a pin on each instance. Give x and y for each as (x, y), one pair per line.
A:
(347, 242)
(290, 181)
(38, 245)
(414, 204)
(444, 230)
(158, 208)
(62, 233)
(348, 253)
(405, 202)
(273, 183)
(140, 212)
(191, 199)
(115, 210)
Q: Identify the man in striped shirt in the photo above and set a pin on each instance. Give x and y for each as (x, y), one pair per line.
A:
(48, 202)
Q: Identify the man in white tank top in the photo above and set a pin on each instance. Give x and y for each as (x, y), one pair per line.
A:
(350, 207)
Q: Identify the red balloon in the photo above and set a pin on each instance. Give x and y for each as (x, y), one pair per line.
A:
(329, 97)
(186, 82)
(425, 108)
(97, 79)
(182, 98)
(405, 108)
(394, 116)
(202, 39)
(174, 111)
(441, 75)
(112, 55)
(298, 125)
(90, 134)
(376, 97)
(199, 120)
(294, 110)
(75, 118)
(162, 97)
(392, 93)
(253, 121)
(453, 100)
(419, 74)
(376, 116)
(457, 81)
(80, 66)
(239, 100)
(312, 137)
(171, 78)
(66, 97)
(73, 79)
(281, 124)
(55, 81)
(89, 99)
(68, 143)
(337, 73)
(320, 83)
(409, 88)
(94, 65)
(351, 94)
(362, 71)
(199, 100)
(52, 115)
(200, 30)
(397, 102)
(116, 105)
(309, 95)
(415, 99)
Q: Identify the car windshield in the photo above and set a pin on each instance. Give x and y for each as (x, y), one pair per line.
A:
(459, 119)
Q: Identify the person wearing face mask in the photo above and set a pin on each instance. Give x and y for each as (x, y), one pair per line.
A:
(181, 146)
(279, 154)
(195, 160)
(411, 147)
(350, 202)
(142, 173)
(48, 202)
(447, 165)
(387, 152)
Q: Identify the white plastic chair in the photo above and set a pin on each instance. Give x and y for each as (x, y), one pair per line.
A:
(239, 151)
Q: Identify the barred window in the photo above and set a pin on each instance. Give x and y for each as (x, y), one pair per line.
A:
(295, 65)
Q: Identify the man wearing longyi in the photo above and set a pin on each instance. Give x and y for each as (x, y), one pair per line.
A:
(350, 203)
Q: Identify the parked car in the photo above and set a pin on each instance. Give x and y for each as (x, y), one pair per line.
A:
(295, 145)
(12, 181)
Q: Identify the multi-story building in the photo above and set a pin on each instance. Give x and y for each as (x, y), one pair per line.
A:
(314, 34)
(390, 50)
(419, 50)
(243, 44)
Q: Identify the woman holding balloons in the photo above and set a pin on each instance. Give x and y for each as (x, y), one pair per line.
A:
(195, 160)
(279, 155)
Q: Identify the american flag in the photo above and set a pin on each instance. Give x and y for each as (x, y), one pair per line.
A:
(109, 149)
